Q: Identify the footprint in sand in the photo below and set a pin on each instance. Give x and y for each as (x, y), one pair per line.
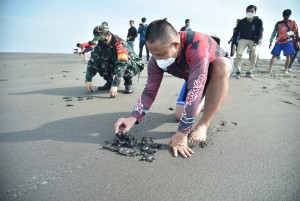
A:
(223, 126)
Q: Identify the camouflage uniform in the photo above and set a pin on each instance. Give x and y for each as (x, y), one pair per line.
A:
(114, 62)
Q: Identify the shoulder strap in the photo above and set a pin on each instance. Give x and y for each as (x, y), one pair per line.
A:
(289, 29)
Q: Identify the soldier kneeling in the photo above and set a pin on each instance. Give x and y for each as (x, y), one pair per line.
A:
(113, 59)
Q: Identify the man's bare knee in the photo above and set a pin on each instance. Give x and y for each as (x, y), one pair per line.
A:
(221, 67)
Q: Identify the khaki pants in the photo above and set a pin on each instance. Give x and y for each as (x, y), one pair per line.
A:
(243, 43)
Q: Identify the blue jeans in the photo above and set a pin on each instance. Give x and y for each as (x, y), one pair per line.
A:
(131, 44)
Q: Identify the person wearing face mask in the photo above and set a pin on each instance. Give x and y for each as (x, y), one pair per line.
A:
(201, 62)
(287, 31)
(250, 31)
(113, 59)
(187, 26)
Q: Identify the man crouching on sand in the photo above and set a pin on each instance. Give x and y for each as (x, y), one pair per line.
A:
(113, 59)
(192, 56)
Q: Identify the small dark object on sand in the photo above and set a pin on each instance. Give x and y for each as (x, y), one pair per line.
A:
(223, 123)
(68, 100)
(135, 153)
(147, 158)
(67, 97)
(89, 98)
(202, 144)
(69, 105)
(170, 108)
(127, 145)
(264, 87)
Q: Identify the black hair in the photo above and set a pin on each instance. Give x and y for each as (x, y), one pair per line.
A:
(160, 30)
(187, 20)
(251, 6)
(131, 21)
(166, 19)
(78, 45)
(143, 19)
(287, 12)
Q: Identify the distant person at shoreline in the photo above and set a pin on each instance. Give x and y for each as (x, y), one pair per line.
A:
(187, 26)
(113, 59)
(250, 30)
(142, 31)
(131, 35)
(85, 48)
(194, 57)
(287, 31)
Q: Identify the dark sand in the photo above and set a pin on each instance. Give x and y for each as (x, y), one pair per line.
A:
(51, 152)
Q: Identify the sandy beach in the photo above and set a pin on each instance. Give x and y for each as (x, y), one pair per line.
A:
(49, 151)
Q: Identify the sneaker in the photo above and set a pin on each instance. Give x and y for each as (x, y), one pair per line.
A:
(238, 74)
(104, 87)
(129, 89)
(249, 75)
(289, 69)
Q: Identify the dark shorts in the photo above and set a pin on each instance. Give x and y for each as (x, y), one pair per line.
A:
(287, 48)
(88, 49)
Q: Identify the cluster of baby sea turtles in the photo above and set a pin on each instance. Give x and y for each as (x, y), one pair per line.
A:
(79, 98)
(127, 145)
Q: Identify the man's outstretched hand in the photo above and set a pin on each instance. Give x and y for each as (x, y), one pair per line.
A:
(178, 142)
(89, 87)
(124, 125)
(113, 91)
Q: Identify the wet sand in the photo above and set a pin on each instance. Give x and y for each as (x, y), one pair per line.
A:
(49, 151)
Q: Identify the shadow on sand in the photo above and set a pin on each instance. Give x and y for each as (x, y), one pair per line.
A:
(91, 129)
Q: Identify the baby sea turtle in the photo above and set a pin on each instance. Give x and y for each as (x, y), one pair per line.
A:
(147, 158)
(67, 97)
(127, 145)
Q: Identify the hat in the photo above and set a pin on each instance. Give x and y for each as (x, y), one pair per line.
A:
(100, 32)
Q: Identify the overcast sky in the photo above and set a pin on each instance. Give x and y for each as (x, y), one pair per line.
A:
(55, 26)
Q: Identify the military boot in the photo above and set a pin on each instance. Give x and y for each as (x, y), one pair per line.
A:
(128, 86)
(105, 87)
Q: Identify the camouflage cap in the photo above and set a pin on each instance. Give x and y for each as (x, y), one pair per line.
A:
(100, 32)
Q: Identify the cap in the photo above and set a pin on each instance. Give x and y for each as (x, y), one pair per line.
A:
(100, 32)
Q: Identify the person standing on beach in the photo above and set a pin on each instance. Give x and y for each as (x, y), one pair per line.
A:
(250, 30)
(113, 59)
(85, 48)
(286, 31)
(187, 26)
(142, 31)
(132, 34)
(296, 47)
(194, 57)
(231, 39)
